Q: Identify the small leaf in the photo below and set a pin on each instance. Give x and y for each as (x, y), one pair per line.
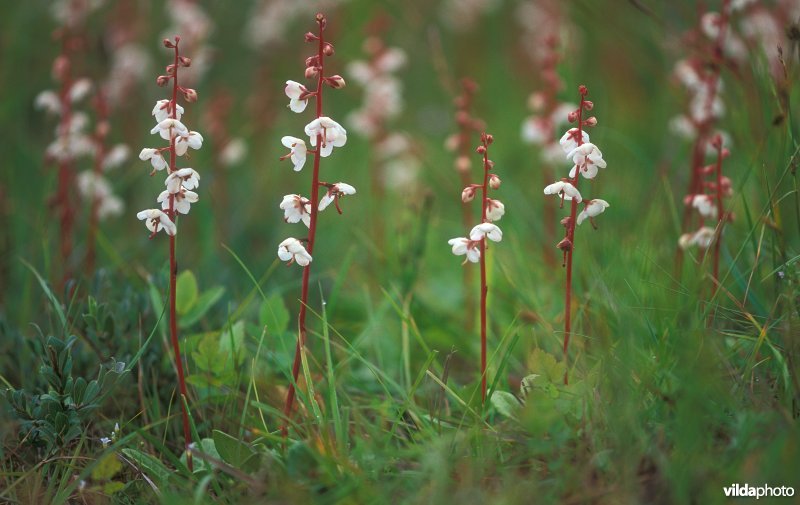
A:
(231, 343)
(154, 468)
(113, 487)
(506, 404)
(185, 292)
(235, 452)
(204, 303)
(546, 365)
(106, 468)
(274, 315)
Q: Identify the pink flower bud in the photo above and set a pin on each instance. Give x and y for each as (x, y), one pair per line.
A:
(184, 61)
(320, 18)
(468, 194)
(168, 44)
(311, 72)
(592, 121)
(565, 245)
(588, 105)
(489, 139)
(312, 61)
(190, 95)
(327, 49)
(162, 80)
(494, 181)
(582, 90)
(480, 150)
(310, 37)
(335, 81)
(572, 116)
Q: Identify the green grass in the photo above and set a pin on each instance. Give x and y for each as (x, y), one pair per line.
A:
(672, 395)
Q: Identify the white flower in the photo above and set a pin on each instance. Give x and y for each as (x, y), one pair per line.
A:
(564, 189)
(183, 200)
(233, 152)
(184, 142)
(155, 157)
(494, 210)
(331, 132)
(296, 209)
(116, 156)
(586, 157)
(334, 192)
(569, 140)
(705, 205)
(291, 250)
(536, 130)
(711, 23)
(169, 127)
(80, 89)
(702, 238)
(687, 74)
(110, 205)
(48, 101)
(593, 208)
(185, 177)
(297, 151)
(161, 111)
(462, 246)
(105, 441)
(156, 220)
(489, 230)
(294, 90)
(683, 127)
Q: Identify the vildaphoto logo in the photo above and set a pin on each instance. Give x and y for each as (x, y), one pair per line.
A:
(737, 490)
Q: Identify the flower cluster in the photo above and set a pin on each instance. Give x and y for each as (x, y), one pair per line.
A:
(324, 134)
(178, 195)
(586, 159)
(474, 245)
(383, 102)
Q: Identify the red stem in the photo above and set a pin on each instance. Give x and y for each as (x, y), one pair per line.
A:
(312, 230)
(484, 287)
(720, 219)
(173, 276)
(571, 237)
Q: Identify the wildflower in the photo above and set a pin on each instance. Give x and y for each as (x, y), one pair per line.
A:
(183, 200)
(155, 157)
(592, 209)
(335, 191)
(48, 101)
(564, 189)
(169, 128)
(162, 110)
(462, 246)
(186, 177)
(297, 151)
(331, 132)
(80, 89)
(116, 156)
(588, 158)
(156, 220)
(292, 250)
(569, 141)
(704, 204)
(105, 441)
(488, 230)
(296, 209)
(494, 209)
(702, 238)
(184, 142)
(297, 96)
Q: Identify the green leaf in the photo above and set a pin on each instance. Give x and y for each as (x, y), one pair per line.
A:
(506, 404)
(106, 468)
(274, 315)
(203, 304)
(185, 292)
(208, 357)
(113, 487)
(546, 365)
(152, 467)
(235, 452)
(231, 343)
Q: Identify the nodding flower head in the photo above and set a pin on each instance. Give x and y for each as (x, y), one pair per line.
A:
(468, 194)
(704, 204)
(702, 238)
(494, 209)
(462, 246)
(292, 251)
(170, 128)
(295, 209)
(587, 158)
(488, 230)
(162, 111)
(297, 94)
(183, 200)
(155, 157)
(331, 132)
(184, 141)
(297, 151)
(593, 208)
(156, 220)
(186, 177)
(335, 191)
(569, 140)
(563, 189)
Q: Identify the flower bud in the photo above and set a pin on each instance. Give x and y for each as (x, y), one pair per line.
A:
(592, 121)
(572, 116)
(335, 81)
(494, 181)
(588, 105)
(190, 95)
(311, 72)
(320, 18)
(565, 245)
(184, 61)
(481, 150)
(468, 194)
(312, 61)
(162, 80)
(462, 164)
(310, 37)
(168, 44)
(582, 90)
(170, 69)
(327, 49)
(488, 138)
